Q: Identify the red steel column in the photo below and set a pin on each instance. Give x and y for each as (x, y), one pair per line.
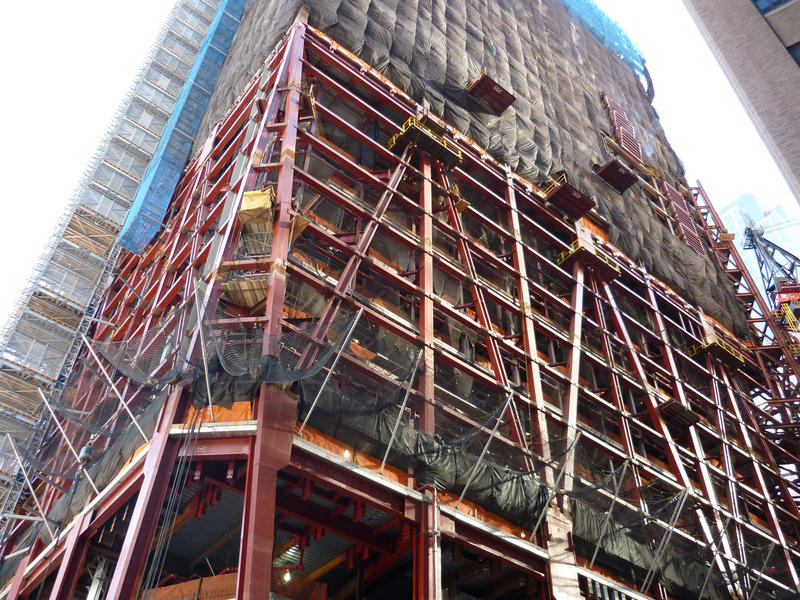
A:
(19, 576)
(157, 466)
(570, 411)
(561, 571)
(538, 422)
(270, 450)
(72, 561)
(428, 552)
(275, 411)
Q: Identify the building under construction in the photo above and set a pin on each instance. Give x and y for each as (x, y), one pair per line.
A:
(412, 300)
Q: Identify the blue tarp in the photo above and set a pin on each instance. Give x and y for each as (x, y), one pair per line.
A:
(158, 184)
(767, 5)
(611, 35)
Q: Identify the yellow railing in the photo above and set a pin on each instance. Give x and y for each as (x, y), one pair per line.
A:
(413, 122)
(564, 255)
(694, 349)
(555, 183)
(787, 314)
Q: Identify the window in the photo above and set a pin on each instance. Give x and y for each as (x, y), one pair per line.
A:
(766, 6)
(794, 50)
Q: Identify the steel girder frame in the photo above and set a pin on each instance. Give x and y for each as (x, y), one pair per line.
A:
(200, 241)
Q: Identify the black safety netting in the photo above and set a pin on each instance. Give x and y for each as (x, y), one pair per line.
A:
(470, 443)
(232, 362)
(108, 457)
(556, 60)
(630, 542)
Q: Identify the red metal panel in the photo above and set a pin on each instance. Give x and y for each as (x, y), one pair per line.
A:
(686, 228)
(623, 129)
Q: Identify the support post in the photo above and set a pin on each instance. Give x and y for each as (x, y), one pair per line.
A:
(761, 572)
(552, 494)
(69, 443)
(158, 464)
(345, 341)
(607, 519)
(203, 347)
(713, 560)
(662, 546)
(114, 387)
(30, 486)
(428, 551)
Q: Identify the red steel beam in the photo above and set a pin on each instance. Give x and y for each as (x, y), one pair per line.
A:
(157, 467)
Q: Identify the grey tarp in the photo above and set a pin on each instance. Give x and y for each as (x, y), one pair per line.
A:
(518, 497)
(622, 549)
(432, 48)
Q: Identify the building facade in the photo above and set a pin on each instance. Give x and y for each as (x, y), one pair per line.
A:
(372, 354)
(758, 45)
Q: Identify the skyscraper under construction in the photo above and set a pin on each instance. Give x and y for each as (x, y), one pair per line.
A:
(408, 300)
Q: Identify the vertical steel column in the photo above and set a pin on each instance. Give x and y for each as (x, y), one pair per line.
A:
(71, 567)
(270, 450)
(427, 385)
(158, 464)
(428, 552)
(284, 195)
(534, 377)
(570, 410)
(274, 411)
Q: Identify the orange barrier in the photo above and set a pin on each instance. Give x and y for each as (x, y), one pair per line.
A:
(239, 411)
(220, 586)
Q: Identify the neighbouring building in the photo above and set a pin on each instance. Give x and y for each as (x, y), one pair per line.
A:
(757, 42)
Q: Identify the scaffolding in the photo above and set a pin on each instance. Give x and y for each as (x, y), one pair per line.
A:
(42, 337)
(503, 402)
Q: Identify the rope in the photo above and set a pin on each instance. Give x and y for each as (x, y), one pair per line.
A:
(169, 513)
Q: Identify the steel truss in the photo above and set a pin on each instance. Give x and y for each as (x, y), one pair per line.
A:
(593, 351)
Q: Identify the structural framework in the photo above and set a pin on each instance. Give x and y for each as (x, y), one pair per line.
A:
(366, 360)
(159, 117)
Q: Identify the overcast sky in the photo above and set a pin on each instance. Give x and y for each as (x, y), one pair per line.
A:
(68, 65)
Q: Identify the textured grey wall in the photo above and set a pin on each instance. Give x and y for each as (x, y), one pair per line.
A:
(432, 48)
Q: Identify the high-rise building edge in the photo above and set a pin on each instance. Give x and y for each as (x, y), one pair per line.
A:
(757, 43)
(412, 301)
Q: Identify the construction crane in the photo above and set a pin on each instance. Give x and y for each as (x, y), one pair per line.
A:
(780, 272)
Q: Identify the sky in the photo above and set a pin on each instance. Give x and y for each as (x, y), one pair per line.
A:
(68, 65)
